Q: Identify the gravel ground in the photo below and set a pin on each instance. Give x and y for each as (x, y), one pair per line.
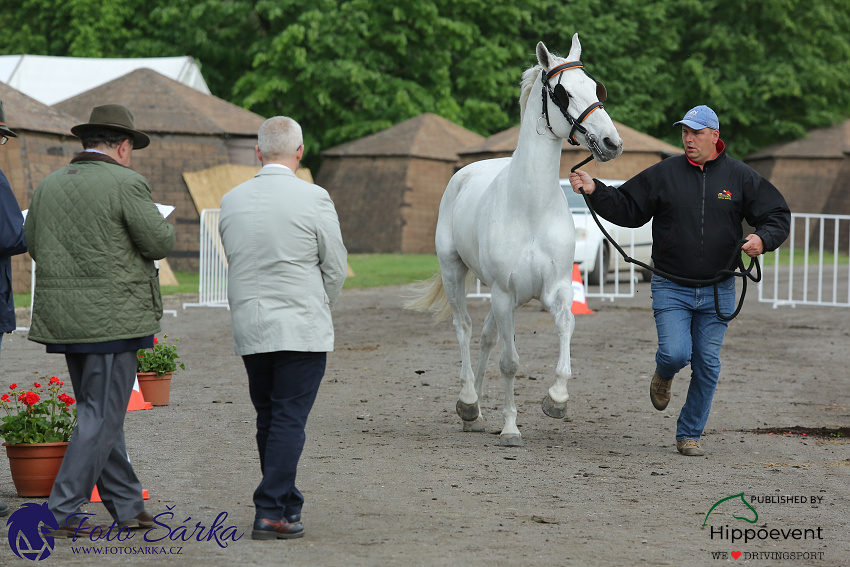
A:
(390, 478)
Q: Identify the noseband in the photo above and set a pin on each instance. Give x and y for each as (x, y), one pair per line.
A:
(561, 98)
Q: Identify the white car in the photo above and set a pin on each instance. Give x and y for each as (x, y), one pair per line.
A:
(593, 251)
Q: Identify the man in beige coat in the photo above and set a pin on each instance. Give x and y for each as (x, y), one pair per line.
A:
(286, 267)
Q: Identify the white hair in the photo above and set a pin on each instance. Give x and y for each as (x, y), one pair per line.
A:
(279, 138)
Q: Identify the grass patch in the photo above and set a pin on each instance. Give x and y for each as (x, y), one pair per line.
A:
(371, 270)
(375, 270)
(799, 254)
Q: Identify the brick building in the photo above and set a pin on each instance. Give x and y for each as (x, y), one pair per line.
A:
(44, 144)
(813, 174)
(387, 187)
(189, 130)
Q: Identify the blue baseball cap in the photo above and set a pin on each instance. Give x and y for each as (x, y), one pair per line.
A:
(700, 117)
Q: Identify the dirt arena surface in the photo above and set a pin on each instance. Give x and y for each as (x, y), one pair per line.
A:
(391, 480)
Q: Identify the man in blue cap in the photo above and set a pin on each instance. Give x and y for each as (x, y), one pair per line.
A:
(697, 202)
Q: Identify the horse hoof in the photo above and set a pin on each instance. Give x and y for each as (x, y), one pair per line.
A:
(552, 409)
(510, 440)
(476, 426)
(467, 412)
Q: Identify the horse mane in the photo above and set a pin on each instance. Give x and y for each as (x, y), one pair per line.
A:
(528, 77)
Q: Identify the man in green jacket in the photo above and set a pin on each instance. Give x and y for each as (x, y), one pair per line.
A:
(94, 232)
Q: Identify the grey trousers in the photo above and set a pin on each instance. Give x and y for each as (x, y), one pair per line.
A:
(97, 454)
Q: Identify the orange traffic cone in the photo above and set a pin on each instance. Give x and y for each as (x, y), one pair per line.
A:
(579, 297)
(137, 400)
(95, 496)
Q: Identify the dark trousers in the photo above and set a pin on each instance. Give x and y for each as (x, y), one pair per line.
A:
(283, 386)
(97, 454)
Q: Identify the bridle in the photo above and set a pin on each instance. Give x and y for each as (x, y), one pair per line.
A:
(561, 98)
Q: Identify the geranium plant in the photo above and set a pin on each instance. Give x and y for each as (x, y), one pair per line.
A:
(40, 414)
(162, 358)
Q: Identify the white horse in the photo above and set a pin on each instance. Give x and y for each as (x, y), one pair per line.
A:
(506, 221)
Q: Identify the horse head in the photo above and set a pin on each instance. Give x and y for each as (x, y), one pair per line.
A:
(26, 526)
(572, 103)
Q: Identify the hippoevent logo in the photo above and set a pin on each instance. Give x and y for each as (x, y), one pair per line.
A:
(733, 519)
(725, 195)
(30, 528)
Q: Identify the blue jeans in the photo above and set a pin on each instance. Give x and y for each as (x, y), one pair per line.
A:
(690, 332)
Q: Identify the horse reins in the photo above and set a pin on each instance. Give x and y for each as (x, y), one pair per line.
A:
(561, 98)
(730, 270)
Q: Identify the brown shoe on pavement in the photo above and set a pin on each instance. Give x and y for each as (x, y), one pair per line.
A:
(659, 391)
(690, 448)
(80, 530)
(280, 529)
(142, 521)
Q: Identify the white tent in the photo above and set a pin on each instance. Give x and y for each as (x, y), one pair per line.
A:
(52, 79)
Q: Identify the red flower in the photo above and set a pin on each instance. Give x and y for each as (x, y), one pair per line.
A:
(5, 398)
(54, 379)
(13, 386)
(29, 398)
(36, 384)
(66, 399)
(155, 341)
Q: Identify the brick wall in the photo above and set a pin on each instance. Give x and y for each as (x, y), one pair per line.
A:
(368, 194)
(426, 182)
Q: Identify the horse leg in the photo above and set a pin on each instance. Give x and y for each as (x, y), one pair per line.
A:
(488, 341)
(454, 283)
(503, 307)
(560, 305)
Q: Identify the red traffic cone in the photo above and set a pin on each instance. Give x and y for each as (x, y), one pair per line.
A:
(137, 400)
(579, 296)
(95, 496)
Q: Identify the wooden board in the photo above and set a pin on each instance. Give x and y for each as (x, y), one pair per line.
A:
(208, 186)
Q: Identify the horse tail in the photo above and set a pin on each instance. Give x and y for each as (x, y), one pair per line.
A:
(431, 297)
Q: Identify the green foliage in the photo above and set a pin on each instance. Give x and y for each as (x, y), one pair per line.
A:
(772, 69)
(31, 418)
(162, 358)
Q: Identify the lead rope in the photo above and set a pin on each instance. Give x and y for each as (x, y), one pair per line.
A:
(734, 262)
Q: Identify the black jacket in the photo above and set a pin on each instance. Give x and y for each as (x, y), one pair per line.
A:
(12, 241)
(697, 214)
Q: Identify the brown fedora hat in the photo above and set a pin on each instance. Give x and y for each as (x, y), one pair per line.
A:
(113, 117)
(4, 130)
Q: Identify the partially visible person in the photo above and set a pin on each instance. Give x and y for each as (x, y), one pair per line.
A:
(12, 242)
(697, 202)
(286, 266)
(94, 232)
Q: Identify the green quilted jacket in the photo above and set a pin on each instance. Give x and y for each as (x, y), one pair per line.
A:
(94, 233)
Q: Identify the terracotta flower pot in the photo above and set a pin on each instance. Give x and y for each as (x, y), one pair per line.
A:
(155, 389)
(34, 466)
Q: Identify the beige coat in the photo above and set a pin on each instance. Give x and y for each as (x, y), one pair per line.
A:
(286, 263)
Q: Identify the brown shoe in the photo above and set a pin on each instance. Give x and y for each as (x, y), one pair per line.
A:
(690, 448)
(142, 521)
(280, 529)
(79, 530)
(659, 391)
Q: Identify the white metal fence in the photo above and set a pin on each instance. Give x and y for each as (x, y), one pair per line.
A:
(212, 268)
(808, 269)
(622, 276)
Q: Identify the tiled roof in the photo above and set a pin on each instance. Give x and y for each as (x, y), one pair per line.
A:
(162, 105)
(633, 141)
(831, 142)
(425, 136)
(25, 113)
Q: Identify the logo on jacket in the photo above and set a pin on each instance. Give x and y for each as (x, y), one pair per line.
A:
(726, 195)
(29, 527)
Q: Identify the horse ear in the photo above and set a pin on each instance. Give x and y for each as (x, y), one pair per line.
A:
(543, 56)
(575, 49)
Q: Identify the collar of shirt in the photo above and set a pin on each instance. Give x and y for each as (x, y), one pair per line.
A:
(94, 151)
(275, 165)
